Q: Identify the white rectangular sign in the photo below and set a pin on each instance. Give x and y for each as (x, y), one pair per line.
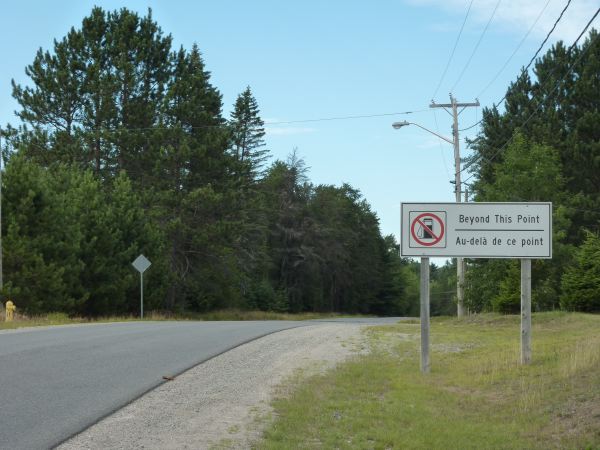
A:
(477, 230)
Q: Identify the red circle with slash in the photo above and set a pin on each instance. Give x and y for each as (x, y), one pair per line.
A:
(418, 220)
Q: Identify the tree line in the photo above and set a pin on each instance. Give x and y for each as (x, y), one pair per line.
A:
(545, 146)
(123, 149)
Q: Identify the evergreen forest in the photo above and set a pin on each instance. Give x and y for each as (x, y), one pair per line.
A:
(545, 146)
(123, 149)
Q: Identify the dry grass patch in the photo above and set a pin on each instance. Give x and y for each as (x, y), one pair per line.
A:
(477, 395)
(23, 321)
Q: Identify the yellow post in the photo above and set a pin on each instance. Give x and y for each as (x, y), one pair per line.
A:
(10, 309)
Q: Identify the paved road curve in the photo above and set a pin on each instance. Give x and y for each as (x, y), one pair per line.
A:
(55, 382)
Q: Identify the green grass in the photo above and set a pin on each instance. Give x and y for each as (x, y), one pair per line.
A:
(22, 321)
(477, 395)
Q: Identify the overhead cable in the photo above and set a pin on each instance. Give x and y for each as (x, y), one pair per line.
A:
(286, 122)
(453, 50)
(556, 86)
(325, 119)
(466, 66)
(530, 61)
(540, 48)
(515, 51)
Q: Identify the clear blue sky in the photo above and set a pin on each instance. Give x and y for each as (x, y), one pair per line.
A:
(321, 59)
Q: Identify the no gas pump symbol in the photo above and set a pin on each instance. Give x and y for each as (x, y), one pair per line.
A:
(427, 229)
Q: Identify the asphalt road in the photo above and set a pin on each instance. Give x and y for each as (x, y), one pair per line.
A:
(55, 382)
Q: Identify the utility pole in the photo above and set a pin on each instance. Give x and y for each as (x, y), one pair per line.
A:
(1, 273)
(454, 105)
(464, 266)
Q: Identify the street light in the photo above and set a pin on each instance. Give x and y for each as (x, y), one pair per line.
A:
(398, 125)
(460, 269)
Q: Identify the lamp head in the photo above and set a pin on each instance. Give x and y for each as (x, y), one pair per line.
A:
(398, 125)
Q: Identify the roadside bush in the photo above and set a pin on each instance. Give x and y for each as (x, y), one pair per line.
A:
(263, 297)
(508, 300)
(581, 282)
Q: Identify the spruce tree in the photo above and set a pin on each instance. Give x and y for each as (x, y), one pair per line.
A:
(247, 133)
(194, 189)
(581, 282)
(247, 148)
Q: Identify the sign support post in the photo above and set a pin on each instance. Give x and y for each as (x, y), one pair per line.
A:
(525, 311)
(141, 263)
(141, 295)
(424, 293)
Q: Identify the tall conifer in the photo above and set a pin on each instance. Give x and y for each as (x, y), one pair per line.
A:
(247, 129)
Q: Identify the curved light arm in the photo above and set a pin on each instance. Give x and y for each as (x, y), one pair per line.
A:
(398, 125)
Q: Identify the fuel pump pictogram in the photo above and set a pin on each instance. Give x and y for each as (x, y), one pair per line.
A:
(427, 229)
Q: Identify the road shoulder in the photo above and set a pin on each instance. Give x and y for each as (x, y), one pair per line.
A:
(226, 400)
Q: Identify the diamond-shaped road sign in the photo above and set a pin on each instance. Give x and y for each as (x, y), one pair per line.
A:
(141, 263)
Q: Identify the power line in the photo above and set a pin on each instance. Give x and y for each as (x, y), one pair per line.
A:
(548, 35)
(540, 103)
(287, 122)
(344, 117)
(476, 45)
(541, 46)
(557, 85)
(583, 31)
(453, 50)
(471, 126)
(516, 49)
(530, 61)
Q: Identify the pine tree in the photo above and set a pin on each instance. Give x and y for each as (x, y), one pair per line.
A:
(115, 231)
(95, 98)
(69, 245)
(550, 130)
(529, 172)
(41, 241)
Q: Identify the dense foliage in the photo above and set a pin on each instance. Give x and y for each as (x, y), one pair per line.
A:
(581, 282)
(123, 149)
(545, 146)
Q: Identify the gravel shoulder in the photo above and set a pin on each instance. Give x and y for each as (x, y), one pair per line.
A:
(224, 402)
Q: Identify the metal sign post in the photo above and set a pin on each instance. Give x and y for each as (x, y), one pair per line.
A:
(141, 295)
(141, 263)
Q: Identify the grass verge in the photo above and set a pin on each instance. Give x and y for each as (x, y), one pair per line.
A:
(477, 395)
(22, 321)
